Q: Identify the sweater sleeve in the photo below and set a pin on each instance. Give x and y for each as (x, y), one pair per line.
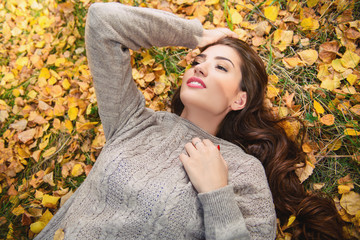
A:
(111, 30)
(242, 210)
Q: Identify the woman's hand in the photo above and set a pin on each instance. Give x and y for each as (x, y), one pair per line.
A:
(204, 165)
(213, 35)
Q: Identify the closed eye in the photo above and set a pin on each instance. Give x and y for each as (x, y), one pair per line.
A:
(221, 68)
(194, 63)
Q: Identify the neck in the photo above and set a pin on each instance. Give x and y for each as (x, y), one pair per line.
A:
(206, 121)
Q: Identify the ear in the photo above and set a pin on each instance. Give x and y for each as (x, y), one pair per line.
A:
(239, 102)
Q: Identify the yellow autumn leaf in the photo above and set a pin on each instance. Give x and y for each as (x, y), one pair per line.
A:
(323, 73)
(282, 39)
(148, 59)
(312, 3)
(18, 210)
(337, 65)
(44, 22)
(66, 84)
(32, 94)
(343, 189)
(211, 2)
(52, 80)
(291, 220)
(44, 73)
(350, 59)
(272, 91)
(309, 24)
(21, 62)
(236, 18)
(59, 234)
(49, 201)
(73, 112)
(46, 217)
(336, 145)
(330, 84)
(351, 132)
(319, 109)
(59, 62)
(351, 78)
(85, 126)
(77, 170)
(308, 56)
(271, 12)
(49, 152)
(69, 125)
(36, 227)
(273, 79)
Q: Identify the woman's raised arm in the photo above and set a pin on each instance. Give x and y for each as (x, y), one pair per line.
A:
(112, 29)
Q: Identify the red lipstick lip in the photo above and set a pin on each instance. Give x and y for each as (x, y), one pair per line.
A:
(195, 79)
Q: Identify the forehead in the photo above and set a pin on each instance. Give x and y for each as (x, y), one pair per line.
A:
(222, 51)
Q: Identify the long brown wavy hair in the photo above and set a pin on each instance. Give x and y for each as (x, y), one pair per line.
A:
(257, 131)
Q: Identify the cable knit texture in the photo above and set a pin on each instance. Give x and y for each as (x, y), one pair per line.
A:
(138, 188)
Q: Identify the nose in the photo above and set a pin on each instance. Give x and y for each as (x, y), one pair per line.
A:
(201, 69)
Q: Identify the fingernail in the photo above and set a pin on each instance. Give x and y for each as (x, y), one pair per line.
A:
(218, 147)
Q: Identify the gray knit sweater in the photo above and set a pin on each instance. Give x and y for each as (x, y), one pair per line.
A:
(138, 188)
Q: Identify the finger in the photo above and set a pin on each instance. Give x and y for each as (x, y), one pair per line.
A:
(208, 143)
(198, 144)
(229, 33)
(190, 148)
(224, 162)
(183, 158)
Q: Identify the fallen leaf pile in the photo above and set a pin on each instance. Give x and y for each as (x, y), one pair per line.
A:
(51, 132)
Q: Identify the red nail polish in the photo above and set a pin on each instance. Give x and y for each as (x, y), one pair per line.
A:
(218, 147)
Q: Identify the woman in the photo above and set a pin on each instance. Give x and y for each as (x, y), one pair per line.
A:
(161, 176)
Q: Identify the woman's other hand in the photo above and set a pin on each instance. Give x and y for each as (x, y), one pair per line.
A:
(213, 35)
(206, 168)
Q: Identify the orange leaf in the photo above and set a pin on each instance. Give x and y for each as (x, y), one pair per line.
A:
(327, 119)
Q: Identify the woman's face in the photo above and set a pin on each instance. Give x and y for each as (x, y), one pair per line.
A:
(212, 83)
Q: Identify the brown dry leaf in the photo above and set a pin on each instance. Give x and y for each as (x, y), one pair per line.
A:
(350, 202)
(328, 51)
(49, 178)
(305, 172)
(318, 186)
(352, 33)
(65, 198)
(27, 135)
(19, 125)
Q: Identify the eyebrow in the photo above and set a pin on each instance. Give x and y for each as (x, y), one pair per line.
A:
(217, 57)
